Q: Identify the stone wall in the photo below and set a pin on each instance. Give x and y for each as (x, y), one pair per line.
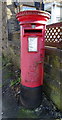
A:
(53, 63)
(4, 26)
(10, 39)
(53, 75)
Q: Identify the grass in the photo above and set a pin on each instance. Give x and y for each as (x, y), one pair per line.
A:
(14, 82)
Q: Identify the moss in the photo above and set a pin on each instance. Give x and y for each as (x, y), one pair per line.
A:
(54, 95)
(24, 113)
(52, 79)
(8, 71)
(55, 61)
(6, 76)
(14, 58)
(9, 56)
(53, 92)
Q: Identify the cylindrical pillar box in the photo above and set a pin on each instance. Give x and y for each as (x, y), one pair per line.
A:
(33, 25)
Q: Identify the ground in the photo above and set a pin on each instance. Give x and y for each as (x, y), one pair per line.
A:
(12, 107)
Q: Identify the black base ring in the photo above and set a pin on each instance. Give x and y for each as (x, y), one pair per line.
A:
(31, 97)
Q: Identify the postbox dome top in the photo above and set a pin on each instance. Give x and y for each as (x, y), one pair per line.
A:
(33, 16)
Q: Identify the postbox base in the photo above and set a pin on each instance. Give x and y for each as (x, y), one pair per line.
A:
(31, 97)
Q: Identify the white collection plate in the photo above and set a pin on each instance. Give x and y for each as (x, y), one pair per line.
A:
(32, 44)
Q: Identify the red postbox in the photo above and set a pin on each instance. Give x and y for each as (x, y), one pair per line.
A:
(32, 29)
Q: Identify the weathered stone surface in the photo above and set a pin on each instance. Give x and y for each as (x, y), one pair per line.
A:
(53, 75)
(11, 18)
(12, 57)
(10, 40)
(4, 26)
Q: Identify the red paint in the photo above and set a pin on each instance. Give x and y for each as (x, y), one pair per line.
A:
(31, 66)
